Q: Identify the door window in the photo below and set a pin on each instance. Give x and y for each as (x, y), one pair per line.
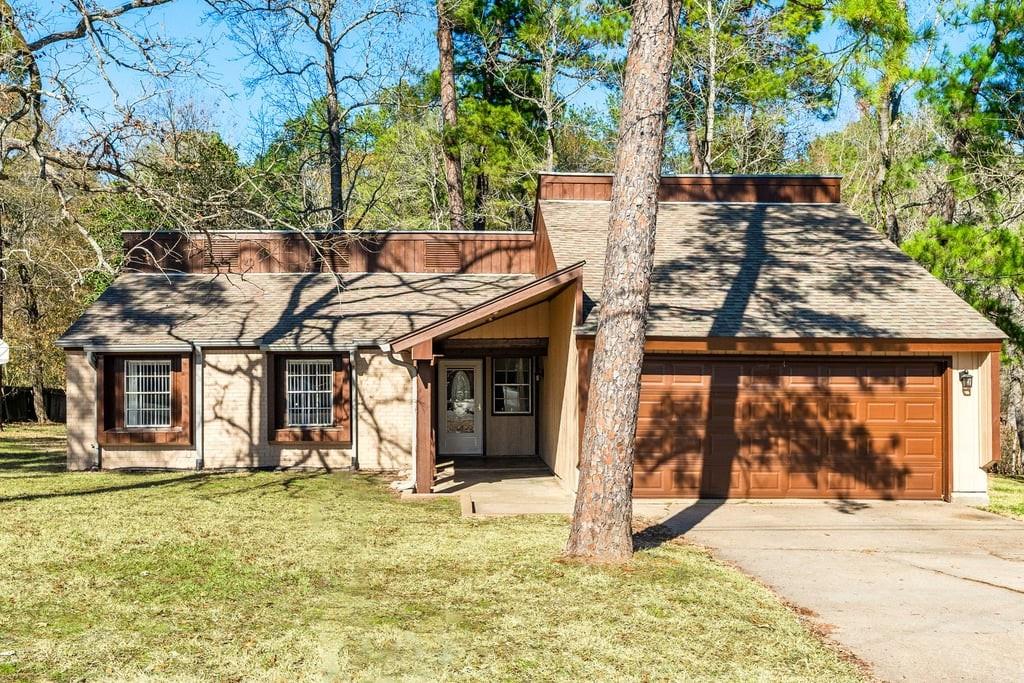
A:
(460, 412)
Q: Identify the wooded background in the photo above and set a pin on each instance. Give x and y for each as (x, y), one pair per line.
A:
(375, 123)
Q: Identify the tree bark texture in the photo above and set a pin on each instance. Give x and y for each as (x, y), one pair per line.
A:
(449, 119)
(333, 113)
(602, 519)
(34, 317)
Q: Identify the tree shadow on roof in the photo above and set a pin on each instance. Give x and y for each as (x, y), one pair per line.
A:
(717, 431)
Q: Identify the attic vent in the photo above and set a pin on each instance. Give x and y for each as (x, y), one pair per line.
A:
(443, 256)
(222, 254)
(337, 255)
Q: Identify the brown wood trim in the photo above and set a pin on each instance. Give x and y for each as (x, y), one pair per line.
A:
(423, 350)
(494, 347)
(110, 426)
(503, 304)
(584, 353)
(995, 358)
(804, 346)
(947, 431)
(425, 458)
(544, 256)
(702, 188)
(340, 433)
(318, 435)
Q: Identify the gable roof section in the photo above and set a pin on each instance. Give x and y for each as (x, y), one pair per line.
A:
(770, 271)
(506, 303)
(276, 310)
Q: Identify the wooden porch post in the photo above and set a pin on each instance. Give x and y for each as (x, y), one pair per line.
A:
(425, 455)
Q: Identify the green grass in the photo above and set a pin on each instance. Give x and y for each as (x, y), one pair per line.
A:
(297, 576)
(1006, 496)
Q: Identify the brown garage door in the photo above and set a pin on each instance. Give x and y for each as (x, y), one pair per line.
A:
(766, 428)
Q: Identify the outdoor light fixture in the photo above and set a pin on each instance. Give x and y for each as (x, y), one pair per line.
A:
(966, 380)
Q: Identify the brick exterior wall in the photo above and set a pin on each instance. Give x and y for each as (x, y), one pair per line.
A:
(81, 411)
(235, 414)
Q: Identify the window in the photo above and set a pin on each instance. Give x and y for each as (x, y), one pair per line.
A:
(310, 393)
(512, 386)
(147, 393)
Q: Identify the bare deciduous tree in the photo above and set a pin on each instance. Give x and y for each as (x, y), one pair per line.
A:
(340, 54)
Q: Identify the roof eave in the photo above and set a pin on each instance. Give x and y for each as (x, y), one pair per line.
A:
(503, 304)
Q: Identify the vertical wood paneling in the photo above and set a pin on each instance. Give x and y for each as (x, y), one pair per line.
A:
(404, 252)
(809, 189)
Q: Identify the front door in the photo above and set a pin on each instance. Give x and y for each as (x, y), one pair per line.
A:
(462, 418)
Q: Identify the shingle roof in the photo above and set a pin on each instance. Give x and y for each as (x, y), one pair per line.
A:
(277, 309)
(770, 270)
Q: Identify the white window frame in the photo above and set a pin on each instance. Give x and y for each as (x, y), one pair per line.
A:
(150, 387)
(528, 384)
(317, 394)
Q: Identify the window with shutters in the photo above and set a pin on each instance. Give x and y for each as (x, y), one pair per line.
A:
(144, 399)
(310, 398)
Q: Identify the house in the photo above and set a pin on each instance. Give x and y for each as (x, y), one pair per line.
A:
(792, 351)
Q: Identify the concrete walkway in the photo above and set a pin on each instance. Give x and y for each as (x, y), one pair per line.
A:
(920, 591)
(505, 491)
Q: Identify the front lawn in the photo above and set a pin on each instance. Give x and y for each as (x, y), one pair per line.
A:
(296, 576)
(1006, 496)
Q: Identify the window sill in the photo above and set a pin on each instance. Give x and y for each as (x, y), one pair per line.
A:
(159, 436)
(291, 436)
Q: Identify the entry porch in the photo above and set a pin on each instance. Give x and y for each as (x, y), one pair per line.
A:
(491, 383)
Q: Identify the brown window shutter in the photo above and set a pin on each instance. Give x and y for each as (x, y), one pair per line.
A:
(442, 256)
(279, 398)
(342, 396)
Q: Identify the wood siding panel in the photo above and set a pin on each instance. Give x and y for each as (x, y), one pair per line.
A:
(784, 189)
(530, 322)
(395, 252)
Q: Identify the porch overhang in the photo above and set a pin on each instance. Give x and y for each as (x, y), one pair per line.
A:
(421, 342)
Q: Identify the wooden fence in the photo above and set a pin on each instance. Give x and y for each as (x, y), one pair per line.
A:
(16, 405)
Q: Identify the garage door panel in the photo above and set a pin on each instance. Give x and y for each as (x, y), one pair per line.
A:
(811, 428)
(841, 408)
(926, 447)
(802, 376)
(881, 412)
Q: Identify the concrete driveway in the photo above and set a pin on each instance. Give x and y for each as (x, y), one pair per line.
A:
(920, 591)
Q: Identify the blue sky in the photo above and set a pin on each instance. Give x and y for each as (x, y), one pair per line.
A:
(235, 106)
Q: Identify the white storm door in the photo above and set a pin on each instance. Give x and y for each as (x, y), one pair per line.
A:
(461, 418)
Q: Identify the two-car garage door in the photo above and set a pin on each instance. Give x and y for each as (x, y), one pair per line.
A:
(807, 428)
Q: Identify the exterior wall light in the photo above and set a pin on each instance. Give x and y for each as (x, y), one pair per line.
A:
(966, 381)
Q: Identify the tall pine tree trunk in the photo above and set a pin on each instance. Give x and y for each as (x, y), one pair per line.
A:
(603, 516)
(449, 119)
(333, 114)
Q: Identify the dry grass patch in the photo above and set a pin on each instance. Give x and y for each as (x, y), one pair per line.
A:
(296, 576)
